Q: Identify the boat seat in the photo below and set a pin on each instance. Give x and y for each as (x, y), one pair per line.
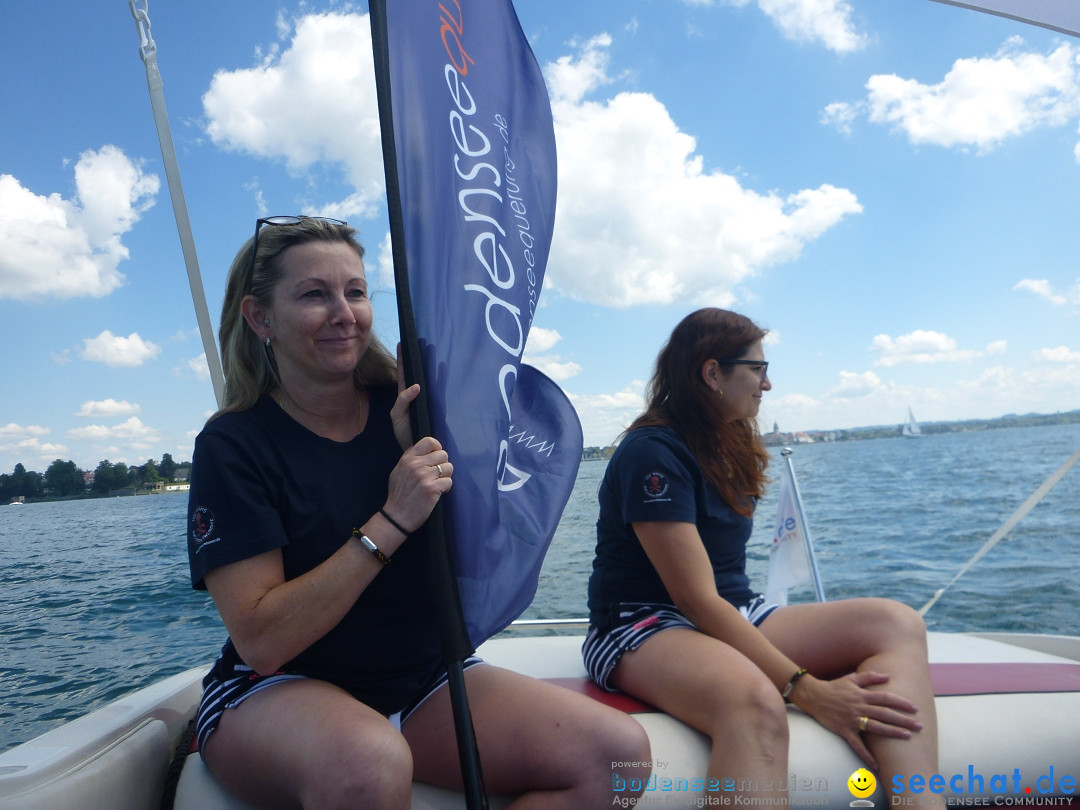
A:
(126, 775)
(197, 788)
(976, 705)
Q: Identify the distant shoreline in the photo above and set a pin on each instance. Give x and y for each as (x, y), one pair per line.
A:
(928, 428)
(780, 438)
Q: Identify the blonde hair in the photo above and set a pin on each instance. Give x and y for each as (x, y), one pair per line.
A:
(249, 365)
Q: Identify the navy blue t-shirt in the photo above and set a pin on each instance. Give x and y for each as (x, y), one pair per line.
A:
(261, 481)
(653, 476)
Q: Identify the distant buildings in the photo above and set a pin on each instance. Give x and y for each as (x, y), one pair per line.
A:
(777, 438)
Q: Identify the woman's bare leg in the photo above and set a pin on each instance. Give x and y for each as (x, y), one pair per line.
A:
(832, 639)
(553, 746)
(718, 691)
(307, 744)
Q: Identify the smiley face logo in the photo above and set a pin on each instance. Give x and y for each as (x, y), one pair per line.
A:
(861, 783)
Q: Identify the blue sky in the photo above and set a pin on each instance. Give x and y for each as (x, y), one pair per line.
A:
(891, 188)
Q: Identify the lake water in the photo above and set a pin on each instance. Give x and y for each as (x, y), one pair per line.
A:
(95, 600)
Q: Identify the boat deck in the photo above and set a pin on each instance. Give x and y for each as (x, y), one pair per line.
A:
(1008, 709)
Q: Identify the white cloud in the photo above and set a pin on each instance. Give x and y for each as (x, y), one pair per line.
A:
(981, 101)
(25, 440)
(573, 79)
(133, 434)
(33, 447)
(195, 367)
(641, 221)
(72, 248)
(311, 100)
(48, 451)
(96, 433)
(133, 430)
(923, 346)
(1041, 287)
(605, 416)
(555, 367)
(113, 350)
(853, 386)
(1061, 354)
(13, 432)
(542, 340)
(825, 21)
(107, 407)
(841, 114)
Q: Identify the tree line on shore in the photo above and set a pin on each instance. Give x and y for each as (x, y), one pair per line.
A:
(64, 479)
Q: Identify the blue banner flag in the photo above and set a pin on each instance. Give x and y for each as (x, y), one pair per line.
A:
(474, 151)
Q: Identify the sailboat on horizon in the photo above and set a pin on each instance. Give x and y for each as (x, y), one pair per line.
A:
(911, 429)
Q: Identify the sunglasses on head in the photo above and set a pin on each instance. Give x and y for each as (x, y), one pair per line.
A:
(278, 220)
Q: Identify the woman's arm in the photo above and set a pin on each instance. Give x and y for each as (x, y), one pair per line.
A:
(271, 620)
(679, 557)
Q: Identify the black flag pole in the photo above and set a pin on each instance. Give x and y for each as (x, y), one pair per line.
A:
(455, 639)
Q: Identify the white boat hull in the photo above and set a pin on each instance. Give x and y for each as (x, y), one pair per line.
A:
(1017, 727)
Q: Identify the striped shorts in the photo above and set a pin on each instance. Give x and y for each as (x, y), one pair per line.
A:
(637, 622)
(229, 693)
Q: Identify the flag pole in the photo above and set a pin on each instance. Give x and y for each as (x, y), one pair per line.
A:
(815, 575)
(455, 639)
(148, 54)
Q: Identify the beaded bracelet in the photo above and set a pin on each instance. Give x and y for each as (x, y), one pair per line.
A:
(785, 693)
(367, 543)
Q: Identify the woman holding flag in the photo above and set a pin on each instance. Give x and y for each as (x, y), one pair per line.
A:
(674, 620)
(330, 690)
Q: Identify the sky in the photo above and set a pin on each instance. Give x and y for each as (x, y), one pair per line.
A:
(891, 189)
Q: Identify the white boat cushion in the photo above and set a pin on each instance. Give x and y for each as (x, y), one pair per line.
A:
(126, 775)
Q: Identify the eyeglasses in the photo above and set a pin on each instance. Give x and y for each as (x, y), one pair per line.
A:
(279, 220)
(761, 366)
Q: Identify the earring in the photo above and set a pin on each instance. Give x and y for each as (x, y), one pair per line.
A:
(268, 343)
(266, 321)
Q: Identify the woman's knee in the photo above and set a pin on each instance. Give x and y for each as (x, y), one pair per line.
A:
(751, 708)
(366, 770)
(619, 760)
(621, 738)
(897, 622)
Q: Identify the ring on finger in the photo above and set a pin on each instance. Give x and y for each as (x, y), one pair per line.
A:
(863, 720)
(438, 470)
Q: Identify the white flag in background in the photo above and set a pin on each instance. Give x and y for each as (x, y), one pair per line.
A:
(789, 564)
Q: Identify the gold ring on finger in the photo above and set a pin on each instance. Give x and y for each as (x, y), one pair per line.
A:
(438, 470)
(863, 720)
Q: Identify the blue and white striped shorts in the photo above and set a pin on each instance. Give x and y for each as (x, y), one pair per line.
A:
(637, 622)
(229, 693)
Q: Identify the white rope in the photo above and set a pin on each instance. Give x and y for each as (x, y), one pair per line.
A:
(1007, 526)
(148, 53)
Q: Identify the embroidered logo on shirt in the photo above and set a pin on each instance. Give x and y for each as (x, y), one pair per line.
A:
(656, 485)
(202, 525)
